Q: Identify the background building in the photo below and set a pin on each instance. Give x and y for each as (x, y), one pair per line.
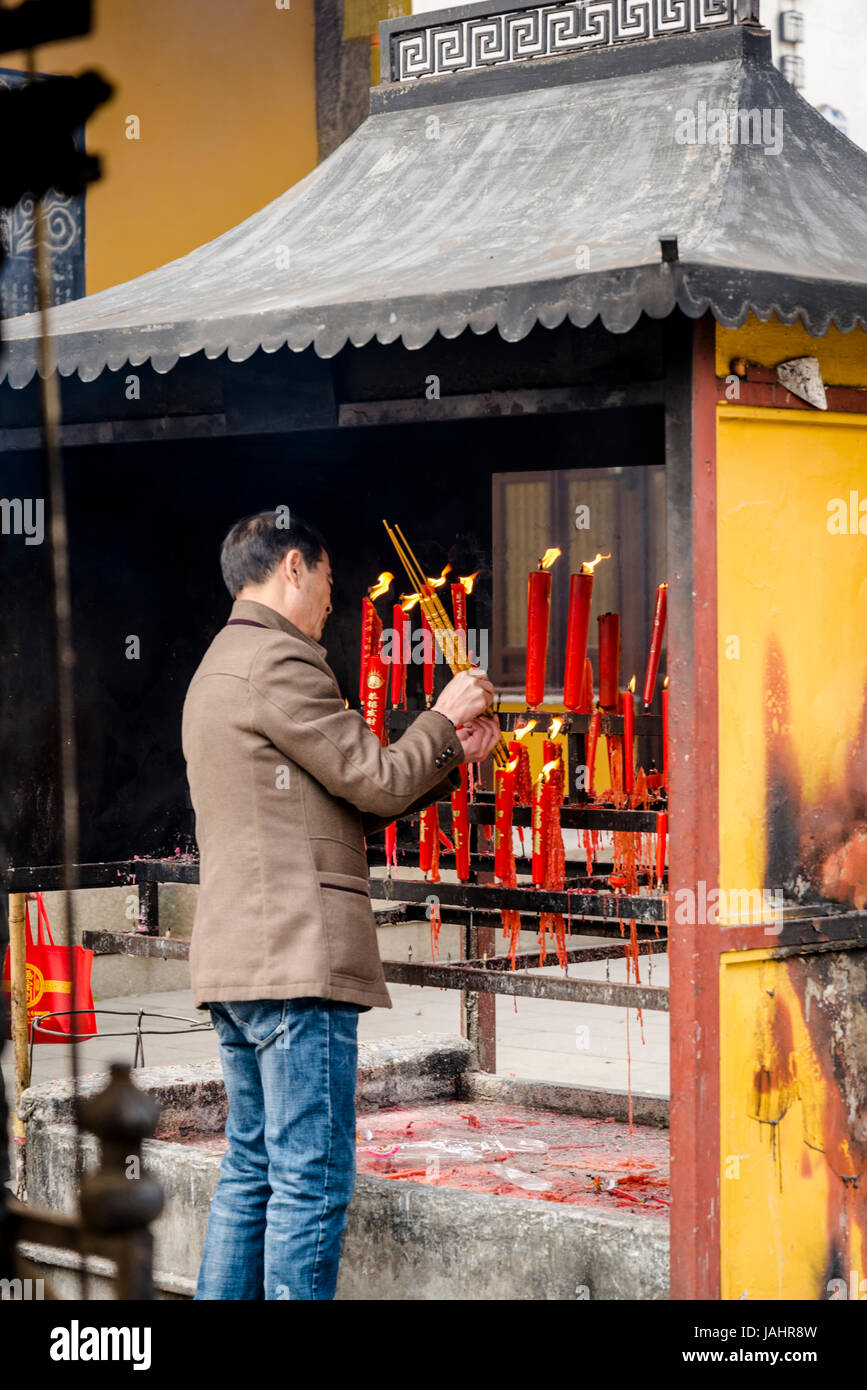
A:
(821, 46)
(823, 54)
(218, 108)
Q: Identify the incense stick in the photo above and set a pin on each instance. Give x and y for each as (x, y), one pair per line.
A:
(438, 620)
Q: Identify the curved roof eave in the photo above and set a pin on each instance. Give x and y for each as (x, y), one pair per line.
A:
(618, 300)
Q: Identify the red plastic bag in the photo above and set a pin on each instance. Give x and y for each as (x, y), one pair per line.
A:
(49, 986)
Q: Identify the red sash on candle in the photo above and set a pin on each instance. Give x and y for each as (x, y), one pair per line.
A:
(371, 631)
(461, 825)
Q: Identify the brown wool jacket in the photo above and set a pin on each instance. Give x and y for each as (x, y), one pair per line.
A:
(285, 782)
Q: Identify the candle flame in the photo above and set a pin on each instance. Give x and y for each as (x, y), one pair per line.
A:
(665, 683)
(409, 601)
(547, 560)
(511, 766)
(346, 703)
(555, 726)
(550, 767)
(588, 566)
(435, 583)
(525, 729)
(663, 585)
(468, 580)
(632, 685)
(382, 585)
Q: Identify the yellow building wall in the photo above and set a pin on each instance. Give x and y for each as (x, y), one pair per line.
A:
(225, 95)
(842, 356)
(792, 1219)
(786, 583)
(792, 635)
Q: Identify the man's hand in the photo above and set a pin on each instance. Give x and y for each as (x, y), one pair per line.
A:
(465, 696)
(478, 737)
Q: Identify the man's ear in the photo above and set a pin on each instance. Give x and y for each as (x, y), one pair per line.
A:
(291, 566)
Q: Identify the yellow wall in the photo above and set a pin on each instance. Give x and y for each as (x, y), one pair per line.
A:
(794, 596)
(225, 93)
(789, 1223)
(783, 577)
(842, 356)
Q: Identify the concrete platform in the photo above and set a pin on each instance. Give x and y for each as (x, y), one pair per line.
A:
(405, 1239)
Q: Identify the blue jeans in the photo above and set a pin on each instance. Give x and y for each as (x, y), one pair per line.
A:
(277, 1217)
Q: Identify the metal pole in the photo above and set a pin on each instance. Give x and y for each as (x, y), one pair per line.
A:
(18, 1015)
(64, 652)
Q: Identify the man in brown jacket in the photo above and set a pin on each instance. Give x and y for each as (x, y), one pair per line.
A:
(286, 781)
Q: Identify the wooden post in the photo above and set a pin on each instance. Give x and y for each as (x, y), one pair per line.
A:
(18, 1016)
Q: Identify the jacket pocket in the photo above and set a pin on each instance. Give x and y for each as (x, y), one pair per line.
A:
(334, 856)
(350, 927)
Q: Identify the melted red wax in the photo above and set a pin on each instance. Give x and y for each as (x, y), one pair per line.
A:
(587, 1162)
(435, 926)
(590, 841)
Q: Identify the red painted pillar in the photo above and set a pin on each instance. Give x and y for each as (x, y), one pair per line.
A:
(693, 818)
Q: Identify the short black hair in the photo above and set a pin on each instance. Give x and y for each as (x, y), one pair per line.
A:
(256, 544)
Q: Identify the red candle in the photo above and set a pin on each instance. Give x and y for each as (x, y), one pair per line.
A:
(391, 847)
(428, 837)
(627, 709)
(399, 655)
(578, 626)
(375, 693)
(586, 706)
(461, 826)
(523, 781)
(592, 741)
(371, 631)
(665, 734)
(656, 636)
(541, 828)
(661, 833)
(538, 615)
(504, 800)
(553, 753)
(609, 660)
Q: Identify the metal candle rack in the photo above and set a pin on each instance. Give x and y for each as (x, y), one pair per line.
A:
(587, 902)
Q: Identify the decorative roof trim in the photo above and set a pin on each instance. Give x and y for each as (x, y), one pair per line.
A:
(479, 36)
(617, 298)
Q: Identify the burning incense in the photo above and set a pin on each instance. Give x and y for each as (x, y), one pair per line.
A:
(453, 652)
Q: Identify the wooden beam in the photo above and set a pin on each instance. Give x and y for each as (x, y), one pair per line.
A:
(491, 404)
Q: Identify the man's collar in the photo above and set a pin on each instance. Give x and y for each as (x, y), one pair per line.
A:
(269, 617)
